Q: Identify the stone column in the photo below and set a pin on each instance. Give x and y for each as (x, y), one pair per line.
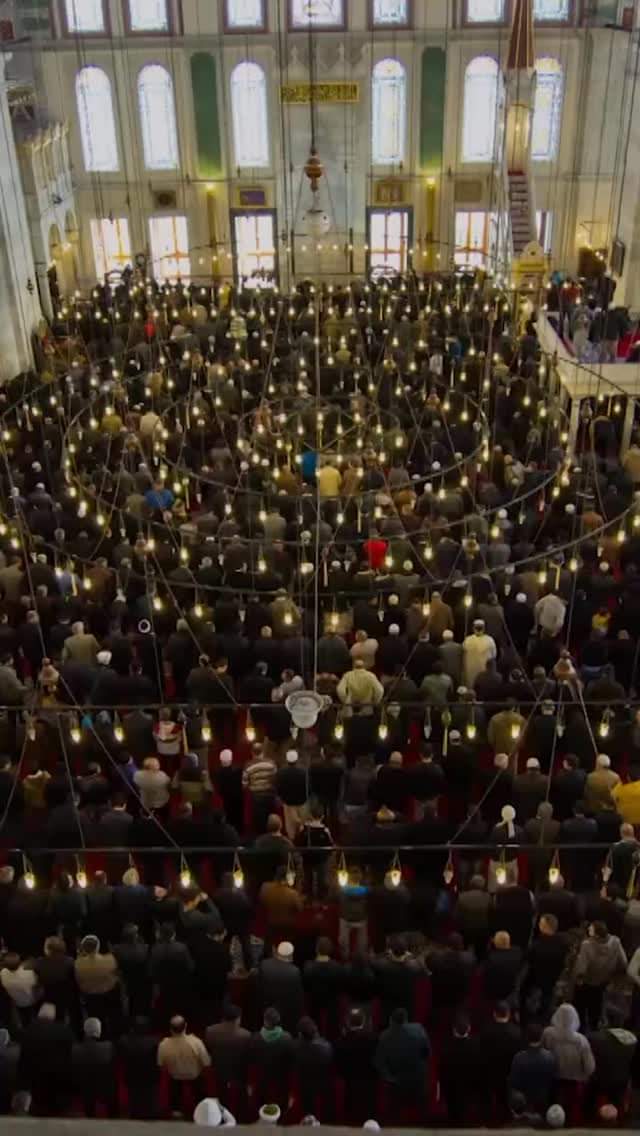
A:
(574, 424)
(21, 306)
(628, 425)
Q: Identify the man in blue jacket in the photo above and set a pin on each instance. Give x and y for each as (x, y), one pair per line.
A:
(533, 1072)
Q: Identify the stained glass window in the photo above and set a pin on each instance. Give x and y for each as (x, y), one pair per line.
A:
(149, 15)
(318, 13)
(390, 13)
(85, 16)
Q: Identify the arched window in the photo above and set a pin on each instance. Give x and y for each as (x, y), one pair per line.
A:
(482, 89)
(158, 118)
(388, 112)
(249, 111)
(547, 110)
(97, 121)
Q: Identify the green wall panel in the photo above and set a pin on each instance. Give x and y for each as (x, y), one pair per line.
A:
(432, 109)
(205, 104)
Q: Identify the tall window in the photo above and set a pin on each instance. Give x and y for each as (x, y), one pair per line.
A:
(482, 87)
(249, 113)
(485, 11)
(388, 240)
(149, 16)
(170, 248)
(158, 118)
(388, 112)
(476, 238)
(554, 10)
(544, 229)
(97, 121)
(318, 13)
(390, 13)
(243, 15)
(111, 245)
(255, 240)
(547, 110)
(84, 16)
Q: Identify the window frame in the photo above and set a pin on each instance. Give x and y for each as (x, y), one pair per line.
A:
(555, 126)
(174, 13)
(499, 129)
(408, 210)
(171, 217)
(159, 169)
(266, 165)
(388, 163)
(230, 30)
(118, 141)
(292, 27)
(68, 32)
(485, 251)
(544, 230)
(503, 23)
(566, 23)
(376, 27)
(261, 212)
(100, 221)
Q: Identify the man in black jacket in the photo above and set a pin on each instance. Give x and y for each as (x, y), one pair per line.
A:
(292, 789)
(171, 969)
(138, 1051)
(92, 1068)
(498, 1042)
(545, 963)
(323, 979)
(272, 1051)
(354, 1057)
(132, 957)
(45, 1061)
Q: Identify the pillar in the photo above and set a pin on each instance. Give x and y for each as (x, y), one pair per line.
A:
(574, 424)
(627, 425)
(21, 311)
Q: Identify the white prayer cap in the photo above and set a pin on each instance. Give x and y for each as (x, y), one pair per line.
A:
(603, 761)
(533, 763)
(285, 950)
(208, 1113)
(394, 629)
(226, 757)
(292, 756)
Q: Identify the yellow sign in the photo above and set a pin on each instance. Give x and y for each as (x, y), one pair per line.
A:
(322, 92)
(391, 191)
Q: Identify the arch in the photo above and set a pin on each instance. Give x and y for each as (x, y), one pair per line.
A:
(94, 102)
(249, 114)
(388, 112)
(482, 99)
(547, 109)
(157, 106)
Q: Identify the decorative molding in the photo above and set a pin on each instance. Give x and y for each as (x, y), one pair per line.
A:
(322, 92)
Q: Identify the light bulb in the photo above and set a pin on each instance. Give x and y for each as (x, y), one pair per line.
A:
(184, 555)
(447, 874)
(205, 733)
(515, 730)
(472, 730)
(250, 734)
(603, 729)
(157, 603)
(29, 880)
(501, 876)
(262, 567)
(383, 731)
(343, 877)
(76, 735)
(467, 601)
(238, 878)
(197, 611)
(395, 875)
(81, 878)
(573, 564)
(554, 874)
(185, 878)
(118, 734)
(338, 731)
(426, 608)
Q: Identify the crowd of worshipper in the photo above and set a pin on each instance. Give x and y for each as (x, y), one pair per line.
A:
(213, 501)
